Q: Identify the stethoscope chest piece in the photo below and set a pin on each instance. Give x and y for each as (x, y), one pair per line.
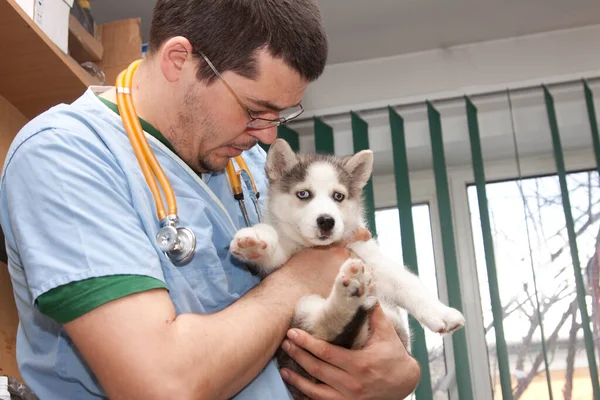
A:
(178, 243)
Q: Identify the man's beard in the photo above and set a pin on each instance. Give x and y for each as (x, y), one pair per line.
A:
(192, 120)
(212, 163)
(197, 119)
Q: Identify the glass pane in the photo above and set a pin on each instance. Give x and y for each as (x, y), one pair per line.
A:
(389, 238)
(541, 240)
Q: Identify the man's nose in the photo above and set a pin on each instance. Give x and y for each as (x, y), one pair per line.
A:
(267, 135)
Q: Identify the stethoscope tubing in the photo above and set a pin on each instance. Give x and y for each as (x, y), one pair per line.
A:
(178, 243)
(146, 157)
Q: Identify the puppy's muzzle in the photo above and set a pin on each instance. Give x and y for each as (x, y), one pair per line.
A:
(325, 224)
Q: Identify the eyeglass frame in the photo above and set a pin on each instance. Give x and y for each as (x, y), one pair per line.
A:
(271, 122)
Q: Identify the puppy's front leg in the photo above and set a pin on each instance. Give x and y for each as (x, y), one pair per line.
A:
(341, 319)
(259, 246)
(398, 285)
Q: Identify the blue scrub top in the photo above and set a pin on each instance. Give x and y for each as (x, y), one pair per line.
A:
(75, 205)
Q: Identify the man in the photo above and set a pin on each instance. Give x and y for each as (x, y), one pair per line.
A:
(104, 313)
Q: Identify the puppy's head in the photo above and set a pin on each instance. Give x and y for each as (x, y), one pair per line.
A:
(316, 199)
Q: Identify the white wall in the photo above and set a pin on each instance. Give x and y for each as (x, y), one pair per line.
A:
(474, 68)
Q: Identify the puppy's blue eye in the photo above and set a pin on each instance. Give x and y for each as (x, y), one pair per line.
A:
(337, 196)
(303, 194)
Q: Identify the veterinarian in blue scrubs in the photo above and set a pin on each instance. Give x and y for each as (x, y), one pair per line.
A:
(103, 312)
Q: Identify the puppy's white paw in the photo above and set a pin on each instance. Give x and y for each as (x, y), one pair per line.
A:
(443, 320)
(354, 283)
(251, 245)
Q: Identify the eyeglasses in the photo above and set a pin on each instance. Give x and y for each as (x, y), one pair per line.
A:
(258, 122)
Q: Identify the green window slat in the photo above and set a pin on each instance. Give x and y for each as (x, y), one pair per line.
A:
(591, 109)
(488, 245)
(287, 134)
(560, 167)
(459, 338)
(360, 138)
(324, 142)
(409, 247)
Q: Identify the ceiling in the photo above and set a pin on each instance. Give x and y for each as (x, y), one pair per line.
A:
(363, 29)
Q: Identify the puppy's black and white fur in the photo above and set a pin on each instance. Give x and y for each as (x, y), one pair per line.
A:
(316, 200)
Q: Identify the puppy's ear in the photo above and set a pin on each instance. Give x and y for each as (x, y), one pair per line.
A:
(280, 159)
(360, 167)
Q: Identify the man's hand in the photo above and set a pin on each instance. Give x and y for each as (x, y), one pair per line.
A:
(383, 369)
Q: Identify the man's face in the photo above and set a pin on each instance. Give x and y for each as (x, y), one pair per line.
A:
(212, 126)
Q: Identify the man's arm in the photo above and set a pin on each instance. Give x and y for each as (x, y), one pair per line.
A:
(140, 349)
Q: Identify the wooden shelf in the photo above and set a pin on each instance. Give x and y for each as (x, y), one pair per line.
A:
(34, 73)
(82, 45)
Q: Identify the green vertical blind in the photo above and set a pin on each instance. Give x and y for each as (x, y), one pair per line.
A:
(591, 109)
(581, 292)
(459, 339)
(488, 245)
(324, 142)
(409, 247)
(360, 138)
(289, 135)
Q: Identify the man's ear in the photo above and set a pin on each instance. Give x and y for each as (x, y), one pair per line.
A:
(360, 167)
(174, 54)
(280, 159)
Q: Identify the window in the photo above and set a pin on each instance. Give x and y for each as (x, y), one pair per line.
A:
(530, 240)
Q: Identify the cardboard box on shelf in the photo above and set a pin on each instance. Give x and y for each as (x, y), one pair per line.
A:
(52, 16)
(122, 41)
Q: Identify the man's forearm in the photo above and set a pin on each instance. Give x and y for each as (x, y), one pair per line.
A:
(222, 352)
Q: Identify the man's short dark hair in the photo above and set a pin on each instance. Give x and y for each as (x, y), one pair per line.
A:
(229, 33)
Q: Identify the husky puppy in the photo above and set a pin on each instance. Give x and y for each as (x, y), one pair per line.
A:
(316, 200)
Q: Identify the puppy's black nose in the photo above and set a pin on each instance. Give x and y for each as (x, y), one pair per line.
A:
(326, 223)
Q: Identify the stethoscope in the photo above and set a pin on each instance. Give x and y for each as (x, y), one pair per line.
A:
(178, 243)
